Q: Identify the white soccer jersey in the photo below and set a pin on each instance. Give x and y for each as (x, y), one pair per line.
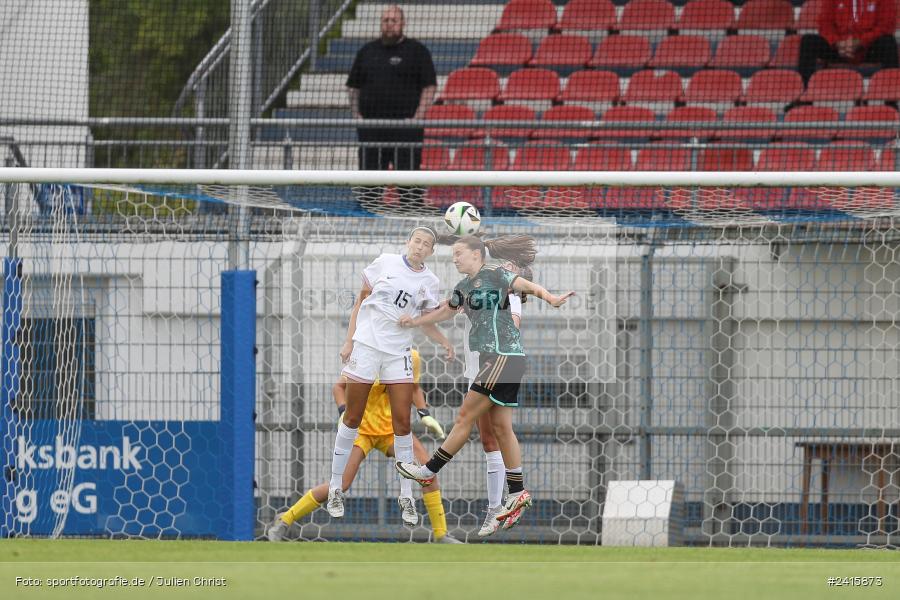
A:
(397, 290)
(515, 307)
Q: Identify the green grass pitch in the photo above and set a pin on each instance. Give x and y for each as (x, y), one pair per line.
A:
(300, 571)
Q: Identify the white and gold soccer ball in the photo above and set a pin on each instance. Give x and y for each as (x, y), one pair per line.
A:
(462, 219)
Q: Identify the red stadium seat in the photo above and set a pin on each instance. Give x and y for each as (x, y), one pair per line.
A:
(711, 17)
(811, 114)
(435, 157)
(509, 112)
(572, 51)
(835, 87)
(476, 86)
(619, 114)
(624, 53)
(748, 114)
(772, 17)
(776, 87)
(535, 18)
(742, 51)
(841, 156)
(657, 16)
(884, 86)
(863, 114)
(503, 50)
(685, 53)
(787, 54)
(537, 88)
(650, 158)
(588, 17)
(539, 156)
(788, 156)
(596, 89)
(688, 115)
(603, 157)
(725, 159)
(448, 112)
(847, 156)
(566, 113)
(714, 88)
(477, 156)
(889, 160)
(470, 157)
(656, 89)
(808, 19)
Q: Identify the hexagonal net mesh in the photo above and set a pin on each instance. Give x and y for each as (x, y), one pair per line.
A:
(725, 375)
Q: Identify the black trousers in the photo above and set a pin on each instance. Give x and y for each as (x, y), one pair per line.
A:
(813, 47)
(379, 158)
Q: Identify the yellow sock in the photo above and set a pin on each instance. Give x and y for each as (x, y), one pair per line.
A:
(303, 507)
(436, 515)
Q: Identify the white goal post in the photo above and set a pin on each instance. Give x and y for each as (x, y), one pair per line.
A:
(452, 178)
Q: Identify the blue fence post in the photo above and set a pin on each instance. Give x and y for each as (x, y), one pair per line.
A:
(238, 401)
(10, 362)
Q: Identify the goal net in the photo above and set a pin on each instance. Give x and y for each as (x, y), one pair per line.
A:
(737, 344)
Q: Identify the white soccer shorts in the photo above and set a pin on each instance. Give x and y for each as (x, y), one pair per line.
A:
(367, 364)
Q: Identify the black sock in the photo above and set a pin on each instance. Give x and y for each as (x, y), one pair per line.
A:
(515, 481)
(440, 458)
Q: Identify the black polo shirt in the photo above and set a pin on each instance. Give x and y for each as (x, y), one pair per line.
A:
(390, 80)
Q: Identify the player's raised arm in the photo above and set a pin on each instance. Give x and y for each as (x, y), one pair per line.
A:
(529, 287)
(443, 313)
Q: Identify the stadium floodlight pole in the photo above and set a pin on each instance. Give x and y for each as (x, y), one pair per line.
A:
(240, 103)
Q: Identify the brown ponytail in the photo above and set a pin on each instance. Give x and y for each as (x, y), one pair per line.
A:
(518, 249)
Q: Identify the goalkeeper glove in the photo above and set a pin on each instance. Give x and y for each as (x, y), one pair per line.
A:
(341, 409)
(430, 423)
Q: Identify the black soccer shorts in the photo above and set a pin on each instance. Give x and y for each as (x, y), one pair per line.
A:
(499, 377)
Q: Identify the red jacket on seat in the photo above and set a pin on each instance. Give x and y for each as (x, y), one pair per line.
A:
(865, 20)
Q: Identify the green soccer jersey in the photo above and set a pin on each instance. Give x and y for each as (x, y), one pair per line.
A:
(485, 300)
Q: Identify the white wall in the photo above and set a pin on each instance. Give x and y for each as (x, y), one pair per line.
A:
(44, 75)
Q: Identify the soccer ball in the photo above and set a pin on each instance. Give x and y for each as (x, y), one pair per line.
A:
(462, 219)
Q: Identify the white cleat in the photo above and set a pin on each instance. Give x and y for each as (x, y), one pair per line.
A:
(513, 508)
(335, 503)
(276, 530)
(491, 525)
(408, 512)
(447, 539)
(414, 472)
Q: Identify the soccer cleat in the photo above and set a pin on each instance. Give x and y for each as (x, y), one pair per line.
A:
(414, 472)
(276, 530)
(512, 519)
(335, 503)
(491, 525)
(513, 507)
(447, 539)
(408, 512)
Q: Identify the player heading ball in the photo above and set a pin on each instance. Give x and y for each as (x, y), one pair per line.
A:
(482, 296)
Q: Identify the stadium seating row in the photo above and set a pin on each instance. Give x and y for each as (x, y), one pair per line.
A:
(538, 17)
(682, 114)
(481, 87)
(547, 156)
(611, 157)
(505, 52)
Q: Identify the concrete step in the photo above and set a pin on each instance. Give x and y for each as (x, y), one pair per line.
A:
(449, 21)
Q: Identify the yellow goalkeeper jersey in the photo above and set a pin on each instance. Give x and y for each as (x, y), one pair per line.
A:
(377, 418)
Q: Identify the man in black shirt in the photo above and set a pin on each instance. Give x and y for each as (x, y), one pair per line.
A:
(391, 78)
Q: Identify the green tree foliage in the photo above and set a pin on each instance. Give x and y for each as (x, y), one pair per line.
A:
(143, 51)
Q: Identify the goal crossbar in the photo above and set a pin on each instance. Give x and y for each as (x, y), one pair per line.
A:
(454, 178)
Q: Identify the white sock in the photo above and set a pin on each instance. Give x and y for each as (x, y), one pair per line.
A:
(496, 477)
(343, 443)
(403, 450)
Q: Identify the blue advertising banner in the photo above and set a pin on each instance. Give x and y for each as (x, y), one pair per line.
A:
(147, 478)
